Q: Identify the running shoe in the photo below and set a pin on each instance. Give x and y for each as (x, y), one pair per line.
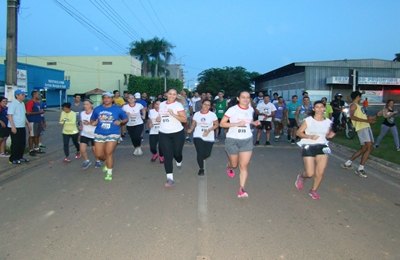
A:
(16, 162)
(32, 153)
(139, 151)
(267, 143)
(86, 165)
(39, 151)
(97, 164)
(154, 157)
(361, 173)
(257, 143)
(4, 155)
(24, 160)
(345, 166)
(276, 138)
(314, 195)
(299, 182)
(242, 193)
(179, 164)
(169, 183)
(67, 160)
(292, 141)
(230, 172)
(201, 172)
(42, 146)
(161, 158)
(108, 177)
(78, 155)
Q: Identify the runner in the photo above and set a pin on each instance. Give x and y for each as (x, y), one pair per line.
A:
(220, 106)
(314, 132)
(154, 125)
(239, 139)
(4, 130)
(279, 117)
(172, 136)
(34, 115)
(69, 131)
(304, 110)
(204, 123)
(108, 120)
(136, 112)
(266, 112)
(361, 123)
(87, 134)
(389, 114)
(291, 119)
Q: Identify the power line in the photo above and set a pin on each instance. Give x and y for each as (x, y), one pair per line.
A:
(137, 18)
(150, 16)
(155, 13)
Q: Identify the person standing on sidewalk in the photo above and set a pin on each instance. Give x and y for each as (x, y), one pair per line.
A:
(361, 123)
(204, 123)
(154, 126)
(16, 122)
(69, 131)
(314, 132)
(4, 130)
(172, 135)
(136, 112)
(389, 114)
(87, 134)
(34, 114)
(239, 139)
(108, 119)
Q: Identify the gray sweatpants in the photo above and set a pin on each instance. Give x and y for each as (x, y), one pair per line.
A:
(384, 130)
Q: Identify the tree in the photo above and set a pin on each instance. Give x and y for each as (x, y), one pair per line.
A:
(152, 86)
(159, 48)
(397, 58)
(229, 79)
(141, 50)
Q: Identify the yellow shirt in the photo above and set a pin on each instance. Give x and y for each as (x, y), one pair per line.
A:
(119, 101)
(68, 120)
(328, 111)
(360, 114)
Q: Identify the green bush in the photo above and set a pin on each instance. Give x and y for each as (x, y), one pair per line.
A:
(152, 86)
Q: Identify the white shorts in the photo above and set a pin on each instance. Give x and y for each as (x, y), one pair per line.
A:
(365, 135)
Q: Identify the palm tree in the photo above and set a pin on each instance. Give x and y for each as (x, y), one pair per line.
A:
(141, 50)
(159, 48)
(397, 57)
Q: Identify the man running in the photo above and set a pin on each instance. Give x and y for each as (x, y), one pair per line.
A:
(266, 111)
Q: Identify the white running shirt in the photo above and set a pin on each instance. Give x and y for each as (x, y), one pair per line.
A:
(265, 109)
(153, 114)
(314, 127)
(87, 130)
(204, 122)
(170, 124)
(133, 113)
(235, 115)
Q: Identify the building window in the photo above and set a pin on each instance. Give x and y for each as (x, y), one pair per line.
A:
(107, 62)
(51, 63)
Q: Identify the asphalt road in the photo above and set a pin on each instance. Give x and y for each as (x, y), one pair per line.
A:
(57, 211)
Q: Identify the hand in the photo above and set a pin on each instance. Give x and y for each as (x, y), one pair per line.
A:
(241, 123)
(13, 130)
(313, 137)
(189, 131)
(117, 122)
(80, 128)
(206, 132)
(256, 123)
(330, 135)
(85, 122)
(371, 119)
(158, 119)
(171, 112)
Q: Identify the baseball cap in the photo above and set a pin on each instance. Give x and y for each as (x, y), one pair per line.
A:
(355, 94)
(107, 94)
(137, 95)
(19, 92)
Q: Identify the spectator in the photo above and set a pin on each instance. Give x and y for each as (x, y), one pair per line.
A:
(197, 106)
(389, 123)
(337, 106)
(4, 130)
(196, 97)
(118, 100)
(34, 114)
(259, 98)
(365, 105)
(275, 98)
(328, 108)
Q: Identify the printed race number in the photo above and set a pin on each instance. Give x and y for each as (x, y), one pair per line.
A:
(105, 125)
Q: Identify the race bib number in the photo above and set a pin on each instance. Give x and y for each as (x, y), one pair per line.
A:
(133, 119)
(165, 119)
(242, 130)
(106, 126)
(204, 128)
(221, 111)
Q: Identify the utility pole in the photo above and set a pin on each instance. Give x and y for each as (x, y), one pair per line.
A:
(11, 48)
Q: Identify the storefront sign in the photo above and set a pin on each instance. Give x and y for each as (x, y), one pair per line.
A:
(55, 84)
(22, 79)
(365, 80)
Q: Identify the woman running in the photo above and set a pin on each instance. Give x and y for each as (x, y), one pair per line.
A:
(69, 130)
(87, 134)
(314, 132)
(108, 120)
(136, 112)
(389, 114)
(204, 123)
(239, 139)
(172, 136)
(154, 126)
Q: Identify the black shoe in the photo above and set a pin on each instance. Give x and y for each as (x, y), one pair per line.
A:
(201, 172)
(32, 153)
(24, 160)
(257, 143)
(267, 143)
(39, 151)
(293, 141)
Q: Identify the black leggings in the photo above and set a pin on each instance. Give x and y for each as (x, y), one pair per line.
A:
(154, 142)
(172, 145)
(135, 132)
(66, 143)
(203, 150)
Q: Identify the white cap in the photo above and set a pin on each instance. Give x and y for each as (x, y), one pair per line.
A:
(137, 95)
(107, 94)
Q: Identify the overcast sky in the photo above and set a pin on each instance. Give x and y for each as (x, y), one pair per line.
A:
(259, 35)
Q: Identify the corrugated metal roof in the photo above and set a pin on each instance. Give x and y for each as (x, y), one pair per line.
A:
(355, 63)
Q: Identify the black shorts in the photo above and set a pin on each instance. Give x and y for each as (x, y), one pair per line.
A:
(86, 140)
(267, 125)
(312, 150)
(5, 132)
(292, 123)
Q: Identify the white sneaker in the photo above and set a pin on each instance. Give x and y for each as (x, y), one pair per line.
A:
(135, 152)
(139, 151)
(179, 164)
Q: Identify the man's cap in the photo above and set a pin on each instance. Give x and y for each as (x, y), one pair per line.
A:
(107, 94)
(339, 95)
(355, 94)
(19, 92)
(137, 95)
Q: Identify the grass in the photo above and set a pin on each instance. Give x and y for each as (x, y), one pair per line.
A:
(386, 150)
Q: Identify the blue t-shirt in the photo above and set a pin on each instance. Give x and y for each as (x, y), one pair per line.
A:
(106, 117)
(142, 102)
(279, 110)
(3, 115)
(292, 107)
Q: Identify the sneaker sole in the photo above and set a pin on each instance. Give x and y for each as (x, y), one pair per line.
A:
(313, 197)
(346, 167)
